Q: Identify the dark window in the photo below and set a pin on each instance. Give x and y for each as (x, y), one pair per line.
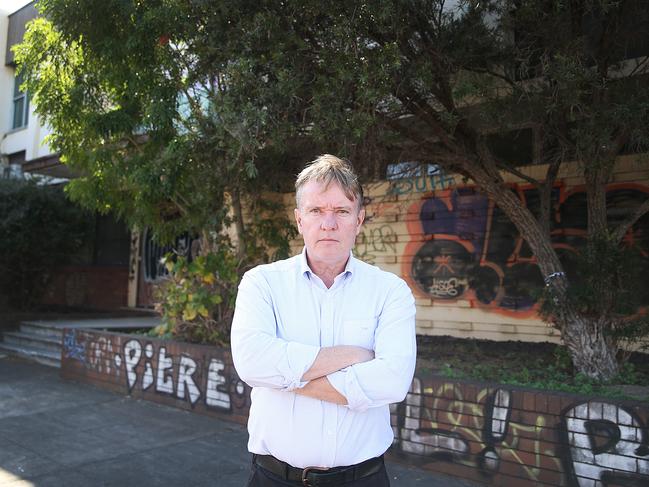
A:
(14, 169)
(515, 147)
(112, 242)
(21, 105)
(152, 254)
(410, 169)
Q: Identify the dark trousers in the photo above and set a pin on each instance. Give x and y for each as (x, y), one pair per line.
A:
(260, 477)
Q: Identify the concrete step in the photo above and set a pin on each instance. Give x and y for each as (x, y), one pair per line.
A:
(37, 341)
(29, 340)
(41, 329)
(45, 357)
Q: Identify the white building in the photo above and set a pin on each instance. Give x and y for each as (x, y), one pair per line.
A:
(22, 147)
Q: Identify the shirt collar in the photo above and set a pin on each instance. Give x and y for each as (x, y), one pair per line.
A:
(305, 270)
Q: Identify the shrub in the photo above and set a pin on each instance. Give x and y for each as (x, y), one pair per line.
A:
(40, 230)
(197, 298)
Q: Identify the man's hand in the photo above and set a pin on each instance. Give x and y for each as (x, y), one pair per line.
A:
(332, 359)
(322, 389)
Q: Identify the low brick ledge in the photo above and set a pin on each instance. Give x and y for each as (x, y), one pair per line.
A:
(490, 433)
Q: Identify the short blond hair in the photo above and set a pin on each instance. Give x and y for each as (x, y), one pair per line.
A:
(327, 169)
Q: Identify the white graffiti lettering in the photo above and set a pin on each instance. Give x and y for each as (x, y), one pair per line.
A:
(606, 444)
(147, 380)
(164, 381)
(186, 370)
(132, 354)
(215, 380)
(447, 287)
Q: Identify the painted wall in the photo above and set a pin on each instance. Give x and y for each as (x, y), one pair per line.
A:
(489, 433)
(94, 287)
(471, 272)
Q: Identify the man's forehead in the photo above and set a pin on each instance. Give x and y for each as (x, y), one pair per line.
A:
(317, 193)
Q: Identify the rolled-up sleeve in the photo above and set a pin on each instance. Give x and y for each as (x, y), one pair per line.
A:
(387, 378)
(261, 358)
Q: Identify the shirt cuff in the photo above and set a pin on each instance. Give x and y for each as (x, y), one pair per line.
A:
(300, 359)
(346, 383)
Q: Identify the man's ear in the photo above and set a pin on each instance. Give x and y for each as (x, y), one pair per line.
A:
(360, 218)
(298, 220)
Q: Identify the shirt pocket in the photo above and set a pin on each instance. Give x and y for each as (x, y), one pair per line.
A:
(359, 333)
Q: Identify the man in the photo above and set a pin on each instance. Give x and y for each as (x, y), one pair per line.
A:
(327, 342)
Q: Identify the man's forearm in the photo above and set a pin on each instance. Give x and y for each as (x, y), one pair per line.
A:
(322, 389)
(332, 359)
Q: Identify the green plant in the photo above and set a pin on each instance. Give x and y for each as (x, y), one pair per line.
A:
(40, 230)
(196, 300)
(605, 278)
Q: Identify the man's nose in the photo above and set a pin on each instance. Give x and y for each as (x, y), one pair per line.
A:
(329, 221)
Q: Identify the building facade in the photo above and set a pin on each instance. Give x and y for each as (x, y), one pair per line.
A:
(98, 276)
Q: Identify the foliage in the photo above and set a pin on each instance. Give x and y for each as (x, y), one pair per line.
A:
(547, 368)
(439, 76)
(157, 107)
(166, 107)
(40, 230)
(604, 283)
(196, 300)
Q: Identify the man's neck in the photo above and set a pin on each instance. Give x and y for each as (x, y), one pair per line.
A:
(327, 271)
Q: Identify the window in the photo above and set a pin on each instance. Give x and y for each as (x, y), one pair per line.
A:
(21, 105)
(410, 169)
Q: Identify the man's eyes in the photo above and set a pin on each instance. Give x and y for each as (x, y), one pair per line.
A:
(340, 211)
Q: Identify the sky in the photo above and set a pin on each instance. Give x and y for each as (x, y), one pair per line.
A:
(13, 5)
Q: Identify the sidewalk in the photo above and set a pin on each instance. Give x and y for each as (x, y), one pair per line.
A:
(57, 433)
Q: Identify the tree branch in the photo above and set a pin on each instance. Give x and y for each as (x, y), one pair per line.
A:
(552, 172)
(639, 66)
(512, 170)
(625, 226)
(495, 74)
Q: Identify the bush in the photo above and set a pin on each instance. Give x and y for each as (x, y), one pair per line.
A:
(197, 298)
(40, 230)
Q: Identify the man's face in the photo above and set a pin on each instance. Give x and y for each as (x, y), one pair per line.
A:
(329, 222)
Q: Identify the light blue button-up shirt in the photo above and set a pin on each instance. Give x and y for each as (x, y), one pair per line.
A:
(284, 315)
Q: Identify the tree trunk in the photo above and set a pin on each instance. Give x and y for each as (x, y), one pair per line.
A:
(238, 223)
(592, 353)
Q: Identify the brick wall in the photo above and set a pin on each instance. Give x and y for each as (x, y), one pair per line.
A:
(96, 287)
(490, 433)
(470, 271)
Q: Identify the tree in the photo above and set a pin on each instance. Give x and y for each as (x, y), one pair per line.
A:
(428, 78)
(145, 102)
(437, 74)
(156, 99)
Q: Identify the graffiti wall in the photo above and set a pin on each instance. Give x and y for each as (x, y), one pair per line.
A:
(187, 376)
(492, 434)
(473, 274)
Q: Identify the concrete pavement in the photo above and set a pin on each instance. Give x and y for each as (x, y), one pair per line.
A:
(57, 433)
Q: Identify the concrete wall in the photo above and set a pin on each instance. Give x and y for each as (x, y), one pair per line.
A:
(470, 271)
(30, 138)
(490, 433)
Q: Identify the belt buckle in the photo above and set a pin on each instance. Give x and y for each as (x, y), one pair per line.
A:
(305, 473)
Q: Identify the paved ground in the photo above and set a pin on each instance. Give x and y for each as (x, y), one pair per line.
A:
(58, 433)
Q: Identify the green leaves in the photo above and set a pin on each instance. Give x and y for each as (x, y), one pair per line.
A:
(196, 300)
(41, 230)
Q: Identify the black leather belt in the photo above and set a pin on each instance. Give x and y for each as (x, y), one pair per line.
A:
(313, 476)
